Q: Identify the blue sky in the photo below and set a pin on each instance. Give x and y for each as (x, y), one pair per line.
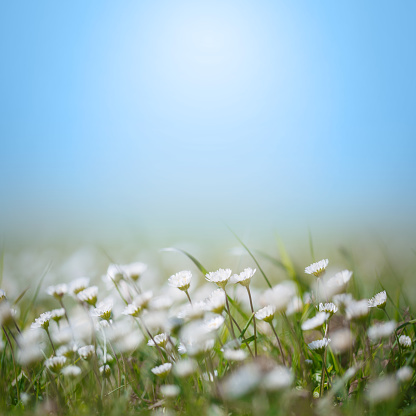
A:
(182, 114)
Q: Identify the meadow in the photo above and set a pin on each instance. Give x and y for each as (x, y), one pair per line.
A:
(272, 338)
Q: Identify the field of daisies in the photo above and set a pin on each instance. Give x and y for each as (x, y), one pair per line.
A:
(302, 340)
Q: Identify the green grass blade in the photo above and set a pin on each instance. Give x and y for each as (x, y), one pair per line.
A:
(252, 256)
(35, 296)
(246, 326)
(200, 267)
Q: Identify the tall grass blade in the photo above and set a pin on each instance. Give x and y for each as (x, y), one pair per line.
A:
(200, 267)
(252, 256)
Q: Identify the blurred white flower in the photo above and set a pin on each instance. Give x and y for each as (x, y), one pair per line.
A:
(159, 339)
(103, 310)
(142, 300)
(57, 291)
(220, 277)
(235, 355)
(162, 370)
(78, 285)
(343, 299)
(105, 370)
(319, 345)
(214, 323)
(216, 301)
(115, 273)
(160, 302)
(86, 352)
(2, 295)
(379, 300)
(279, 296)
(29, 351)
(295, 305)
(315, 322)
(405, 341)
(341, 340)
(132, 310)
(382, 390)
(71, 371)
(379, 331)
(170, 390)
(57, 314)
(134, 270)
(55, 364)
(357, 310)
(277, 379)
(317, 268)
(181, 280)
(404, 374)
(244, 278)
(185, 368)
(89, 295)
(266, 314)
(242, 381)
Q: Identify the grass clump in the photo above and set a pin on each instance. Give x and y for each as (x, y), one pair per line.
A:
(306, 345)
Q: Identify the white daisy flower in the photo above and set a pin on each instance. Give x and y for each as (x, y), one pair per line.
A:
(181, 280)
(382, 390)
(328, 307)
(105, 370)
(57, 314)
(356, 310)
(315, 322)
(295, 305)
(379, 331)
(404, 374)
(159, 303)
(57, 291)
(341, 340)
(89, 295)
(134, 270)
(78, 285)
(162, 370)
(319, 345)
(132, 310)
(277, 379)
(317, 268)
(235, 355)
(216, 301)
(55, 364)
(71, 371)
(86, 352)
(142, 300)
(115, 273)
(220, 277)
(103, 310)
(379, 300)
(266, 314)
(42, 321)
(159, 339)
(185, 368)
(405, 341)
(170, 391)
(244, 278)
(340, 279)
(214, 323)
(343, 299)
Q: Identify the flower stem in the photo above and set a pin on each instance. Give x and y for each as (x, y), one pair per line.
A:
(50, 339)
(254, 321)
(280, 345)
(189, 298)
(229, 313)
